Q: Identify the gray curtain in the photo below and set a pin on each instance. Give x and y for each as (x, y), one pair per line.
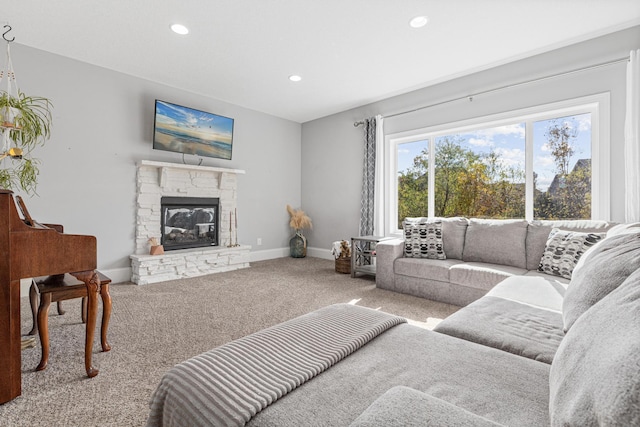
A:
(367, 201)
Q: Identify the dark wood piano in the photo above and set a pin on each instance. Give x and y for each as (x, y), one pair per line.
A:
(28, 249)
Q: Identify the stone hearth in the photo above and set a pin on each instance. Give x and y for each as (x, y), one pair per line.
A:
(158, 179)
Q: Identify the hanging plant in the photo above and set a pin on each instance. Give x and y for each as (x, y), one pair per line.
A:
(25, 123)
(31, 119)
(30, 128)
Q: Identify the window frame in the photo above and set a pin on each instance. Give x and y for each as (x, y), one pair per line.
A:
(599, 107)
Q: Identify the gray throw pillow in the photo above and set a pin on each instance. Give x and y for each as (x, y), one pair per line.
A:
(601, 271)
(423, 238)
(564, 249)
(595, 374)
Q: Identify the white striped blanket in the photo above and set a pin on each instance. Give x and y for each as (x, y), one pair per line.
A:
(230, 384)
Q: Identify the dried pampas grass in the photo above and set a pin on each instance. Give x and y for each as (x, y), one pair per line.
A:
(299, 219)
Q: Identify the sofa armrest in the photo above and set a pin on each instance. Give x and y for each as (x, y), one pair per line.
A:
(404, 406)
(387, 252)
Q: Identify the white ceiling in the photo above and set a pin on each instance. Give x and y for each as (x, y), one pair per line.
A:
(348, 52)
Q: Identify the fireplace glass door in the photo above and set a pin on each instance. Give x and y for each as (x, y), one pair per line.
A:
(189, 222)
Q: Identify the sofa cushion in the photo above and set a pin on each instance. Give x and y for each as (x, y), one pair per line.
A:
(558, 279)
(425, 268)
(546, 292)
(454, 230)
(507, 325)
(423, 238)
(564, 249)
(405, 406)
(496, 242)
(601, 270)
(481, 275)
(538, 234)
(595, 376)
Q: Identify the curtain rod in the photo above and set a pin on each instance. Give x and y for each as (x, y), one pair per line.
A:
(470, 97)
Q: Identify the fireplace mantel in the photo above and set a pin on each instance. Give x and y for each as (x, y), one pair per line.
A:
(158, 179)
(188, 167)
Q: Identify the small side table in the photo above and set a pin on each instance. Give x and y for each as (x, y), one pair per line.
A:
(363, 254)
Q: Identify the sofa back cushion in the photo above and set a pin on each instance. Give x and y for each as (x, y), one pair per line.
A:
(496, 241)
(538, 234)
(454, 230)
(600, 270)
(595, 374)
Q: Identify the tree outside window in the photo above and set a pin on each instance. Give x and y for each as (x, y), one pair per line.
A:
(481, 174)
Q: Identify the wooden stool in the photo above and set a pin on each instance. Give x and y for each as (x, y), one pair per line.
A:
(85, 285)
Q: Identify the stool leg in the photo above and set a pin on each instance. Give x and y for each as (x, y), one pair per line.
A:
(33, 301)
(60, 310)
(84, 309)
(43, 329)
(106, 315)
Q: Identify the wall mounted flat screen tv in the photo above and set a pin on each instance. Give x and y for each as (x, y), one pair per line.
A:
(188, 131)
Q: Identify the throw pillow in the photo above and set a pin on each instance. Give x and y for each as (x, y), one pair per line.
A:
(599, 272)
(538, 234)
(564, 249)
(423, 239)
(595, 374)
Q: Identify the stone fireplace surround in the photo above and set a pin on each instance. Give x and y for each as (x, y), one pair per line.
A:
(157, 179)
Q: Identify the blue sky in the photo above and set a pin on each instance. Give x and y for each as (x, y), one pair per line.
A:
(509, 142)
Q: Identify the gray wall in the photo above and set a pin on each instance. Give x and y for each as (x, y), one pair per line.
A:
(332, 149)
(103, 125)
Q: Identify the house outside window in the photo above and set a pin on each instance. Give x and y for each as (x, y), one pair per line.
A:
(546, 162)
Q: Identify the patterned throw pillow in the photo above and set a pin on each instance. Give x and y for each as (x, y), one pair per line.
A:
(564, 249)
(423, 239)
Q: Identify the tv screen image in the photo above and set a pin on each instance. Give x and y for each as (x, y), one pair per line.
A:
(188, 131)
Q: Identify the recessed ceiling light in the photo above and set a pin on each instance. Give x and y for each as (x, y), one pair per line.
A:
(295, 78)
(180, 29)
(419, 21)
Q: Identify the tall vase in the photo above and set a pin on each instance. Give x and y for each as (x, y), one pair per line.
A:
(298, 245)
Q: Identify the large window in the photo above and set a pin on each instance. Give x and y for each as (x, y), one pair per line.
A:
(538, 163)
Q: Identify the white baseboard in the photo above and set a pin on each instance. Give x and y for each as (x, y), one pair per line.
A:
(285, 252)
(320, 253)
(268, 254)
(117, 275)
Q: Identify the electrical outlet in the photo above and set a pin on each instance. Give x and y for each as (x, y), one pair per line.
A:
(259, 241)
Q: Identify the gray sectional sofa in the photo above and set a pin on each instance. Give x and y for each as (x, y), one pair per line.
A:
(533, 351)
(479, 254)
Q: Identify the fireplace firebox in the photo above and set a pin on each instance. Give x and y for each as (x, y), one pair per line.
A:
(189, 222)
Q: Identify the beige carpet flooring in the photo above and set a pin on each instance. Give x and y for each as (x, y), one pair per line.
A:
(153, 327)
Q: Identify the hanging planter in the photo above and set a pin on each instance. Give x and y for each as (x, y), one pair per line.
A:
(25, 123)
(10, 117)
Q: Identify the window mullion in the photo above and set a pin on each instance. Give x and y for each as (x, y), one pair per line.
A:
(529, 183)
(432, 178)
